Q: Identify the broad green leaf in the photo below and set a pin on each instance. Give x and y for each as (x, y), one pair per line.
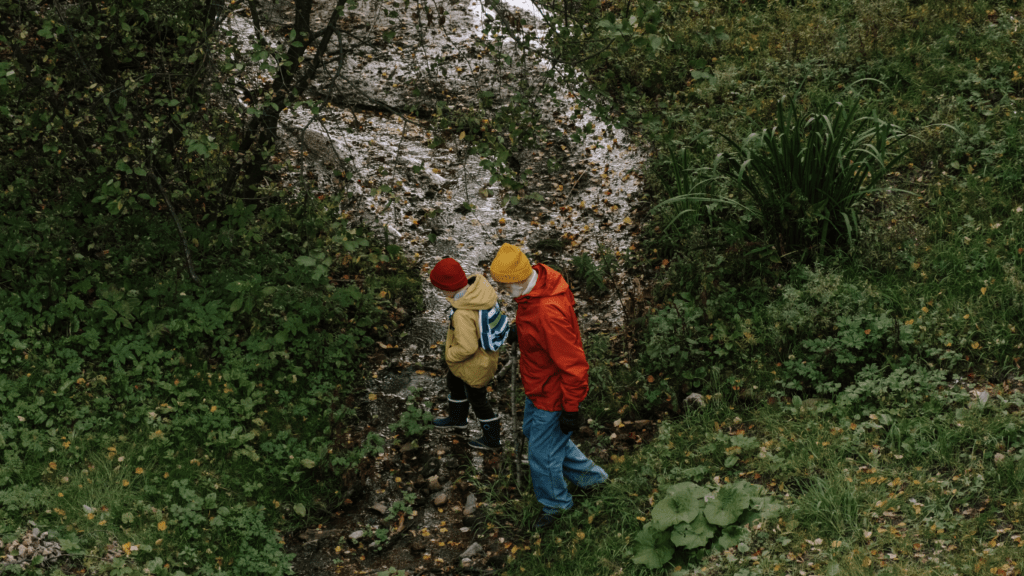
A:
(682, 503)
(731, 536)
(300, 510)
(654, 548)
(693, 535)
(727, 505)
(305, 261)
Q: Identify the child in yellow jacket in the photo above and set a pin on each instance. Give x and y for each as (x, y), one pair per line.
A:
(476, 330)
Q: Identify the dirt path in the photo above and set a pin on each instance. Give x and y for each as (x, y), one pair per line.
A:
(422, 502)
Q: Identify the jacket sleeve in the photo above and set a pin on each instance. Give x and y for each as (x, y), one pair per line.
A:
(563, 345)
(465, 341)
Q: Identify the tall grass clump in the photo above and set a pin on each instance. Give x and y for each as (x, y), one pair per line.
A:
(804, 178)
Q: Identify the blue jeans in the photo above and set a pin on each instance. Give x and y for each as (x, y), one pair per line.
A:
(553, 458)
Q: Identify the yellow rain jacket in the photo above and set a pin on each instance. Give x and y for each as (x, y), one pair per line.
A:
(466, 359)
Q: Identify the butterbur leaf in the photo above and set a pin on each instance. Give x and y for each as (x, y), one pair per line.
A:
(694, 534)
(731, 536)
(654, 548)
(727, 506)
(682, 504)
(761, 508)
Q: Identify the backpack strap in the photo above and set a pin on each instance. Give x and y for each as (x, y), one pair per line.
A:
(494, 328)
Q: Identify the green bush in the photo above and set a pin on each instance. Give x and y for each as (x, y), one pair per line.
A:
(691, 521)
(805, 177)
(182, 410)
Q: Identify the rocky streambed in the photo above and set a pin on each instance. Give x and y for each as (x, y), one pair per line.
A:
(429, 193)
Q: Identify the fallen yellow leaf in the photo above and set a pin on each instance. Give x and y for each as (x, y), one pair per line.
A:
(161, 526)
(53, 465)
(139, 470)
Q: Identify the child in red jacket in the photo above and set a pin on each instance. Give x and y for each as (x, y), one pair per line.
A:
(554, 370)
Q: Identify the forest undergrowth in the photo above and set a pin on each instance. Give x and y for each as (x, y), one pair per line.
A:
(176, 391)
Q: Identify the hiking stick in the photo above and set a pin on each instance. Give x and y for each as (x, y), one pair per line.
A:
(517, 444)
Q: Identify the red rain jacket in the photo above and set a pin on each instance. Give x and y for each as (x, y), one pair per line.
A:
(553, 365)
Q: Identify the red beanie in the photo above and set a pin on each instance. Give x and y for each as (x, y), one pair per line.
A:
(448, 275)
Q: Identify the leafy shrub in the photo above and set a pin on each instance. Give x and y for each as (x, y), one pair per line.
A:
(240, 389)
(692, 341)
(691, 521)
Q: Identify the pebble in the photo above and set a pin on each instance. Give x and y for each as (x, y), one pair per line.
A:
(474, 549)
(356, 536)
(434, 484)
(441, 500)
(470, 505)
(379, 508)
(695, 398)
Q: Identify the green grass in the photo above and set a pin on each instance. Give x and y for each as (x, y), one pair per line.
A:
(926, 487)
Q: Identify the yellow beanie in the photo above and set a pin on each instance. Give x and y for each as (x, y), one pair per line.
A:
(510, 265)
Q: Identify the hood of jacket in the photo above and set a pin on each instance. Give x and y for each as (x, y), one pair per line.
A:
(479, 295)
(549, 283)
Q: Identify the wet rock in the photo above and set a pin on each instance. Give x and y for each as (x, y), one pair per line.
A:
(441, 500)
(474, 549)
(431, 467)
(470, 505)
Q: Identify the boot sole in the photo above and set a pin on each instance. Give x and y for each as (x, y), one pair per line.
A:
(450, 427)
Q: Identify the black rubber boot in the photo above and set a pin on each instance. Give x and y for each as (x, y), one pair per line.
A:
(545, 521)
(458, 410)
(491, 440)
